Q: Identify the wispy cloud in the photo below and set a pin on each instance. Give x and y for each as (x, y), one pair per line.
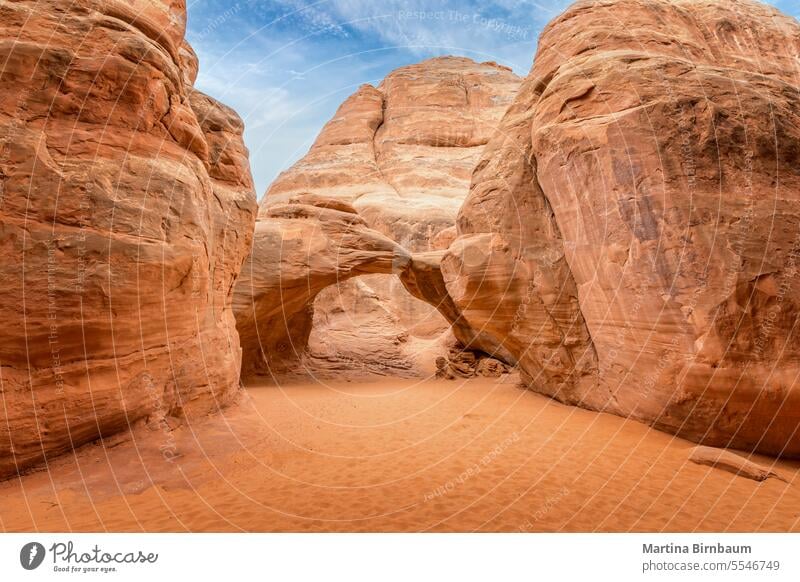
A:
(286, 65)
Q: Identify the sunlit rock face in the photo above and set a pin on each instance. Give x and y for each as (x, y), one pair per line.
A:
(402, 154)
(126, 209)
(632, 230)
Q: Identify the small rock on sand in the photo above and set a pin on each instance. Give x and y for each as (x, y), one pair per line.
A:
(731, 462)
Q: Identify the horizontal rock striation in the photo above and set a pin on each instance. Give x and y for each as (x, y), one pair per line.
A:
(126, 210)
(301, 248)
(312, 245)
(401, 154)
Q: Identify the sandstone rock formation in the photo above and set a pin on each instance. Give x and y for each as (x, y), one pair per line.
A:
(299, 249)
(460, 363)
(402, 155)
(126, 209)
(631, 232)
(355, 332)
(312, 245)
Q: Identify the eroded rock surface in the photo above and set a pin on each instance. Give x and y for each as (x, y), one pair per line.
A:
(355, 332)
(632, 231)
(126, 210)
(401, 154)
(461, 363)
(311, 247)
(301, 248)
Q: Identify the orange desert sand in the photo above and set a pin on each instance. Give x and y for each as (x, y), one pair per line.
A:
(397, 455)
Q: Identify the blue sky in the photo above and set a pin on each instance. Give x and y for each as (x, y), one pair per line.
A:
(286, 65)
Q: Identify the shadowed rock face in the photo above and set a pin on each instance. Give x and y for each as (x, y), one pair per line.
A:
(401, 154)
(126, 209)
(632, 230)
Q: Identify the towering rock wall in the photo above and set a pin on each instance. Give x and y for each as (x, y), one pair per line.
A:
(126, 210)
(402, 155)
(632, 230)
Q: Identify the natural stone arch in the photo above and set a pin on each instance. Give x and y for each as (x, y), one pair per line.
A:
(304, 246)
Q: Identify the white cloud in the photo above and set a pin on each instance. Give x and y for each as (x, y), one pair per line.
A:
(286, 65)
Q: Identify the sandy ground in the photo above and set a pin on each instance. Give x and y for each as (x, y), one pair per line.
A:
(396, 455)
